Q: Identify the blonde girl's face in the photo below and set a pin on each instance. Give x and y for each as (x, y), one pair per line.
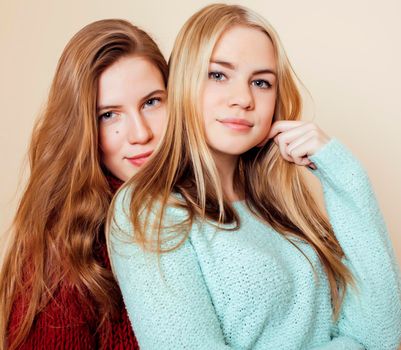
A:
(131, 109)
(240, 93)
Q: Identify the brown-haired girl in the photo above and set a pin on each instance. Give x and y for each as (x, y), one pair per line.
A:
(103, 118)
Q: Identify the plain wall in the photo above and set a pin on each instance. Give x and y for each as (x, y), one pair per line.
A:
(347, 53)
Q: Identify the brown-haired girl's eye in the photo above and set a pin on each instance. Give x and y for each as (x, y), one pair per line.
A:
(154, 101)
(106, 116)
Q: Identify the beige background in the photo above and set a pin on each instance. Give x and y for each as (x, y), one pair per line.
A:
(346, 52)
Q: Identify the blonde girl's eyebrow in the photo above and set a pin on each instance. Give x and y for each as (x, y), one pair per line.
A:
(265, 71)
(224, 64)
(233, 67)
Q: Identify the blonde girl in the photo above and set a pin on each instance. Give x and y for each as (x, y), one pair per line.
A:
(218, 244)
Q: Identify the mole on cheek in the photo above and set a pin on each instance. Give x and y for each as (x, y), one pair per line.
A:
(117, 132)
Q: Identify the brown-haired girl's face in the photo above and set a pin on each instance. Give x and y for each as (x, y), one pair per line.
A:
(131, 109)
(239, 95)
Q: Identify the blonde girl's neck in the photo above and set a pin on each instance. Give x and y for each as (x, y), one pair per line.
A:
(226, 166)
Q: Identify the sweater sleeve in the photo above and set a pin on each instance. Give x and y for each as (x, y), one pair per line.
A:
(371, 313)
(341, 343)
(62, 323)
(167, 300)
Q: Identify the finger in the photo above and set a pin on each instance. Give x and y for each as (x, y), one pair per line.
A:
(312, 166)
(283, 148)
(287, 137)
(292, 135)
(301, 152)
(283, 125)
(297, 142)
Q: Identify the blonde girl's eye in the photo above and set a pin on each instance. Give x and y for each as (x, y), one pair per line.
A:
(261, 83)
(217, 76)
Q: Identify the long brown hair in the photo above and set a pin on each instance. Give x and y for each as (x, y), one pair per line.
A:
(64, 205)
(275, 189)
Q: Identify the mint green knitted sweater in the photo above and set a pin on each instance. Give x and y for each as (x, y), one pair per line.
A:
(252, 289)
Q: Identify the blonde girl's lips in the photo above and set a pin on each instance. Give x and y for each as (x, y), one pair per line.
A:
(236, 124)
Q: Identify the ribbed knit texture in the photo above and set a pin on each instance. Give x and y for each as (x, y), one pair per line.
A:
(66, 322)
(252, 289)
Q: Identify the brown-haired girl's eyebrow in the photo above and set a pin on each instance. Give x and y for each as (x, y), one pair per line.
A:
(102, 108)
(155, 92)
(149, 95)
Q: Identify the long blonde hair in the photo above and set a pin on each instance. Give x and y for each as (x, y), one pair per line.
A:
(63, 208)
(274, 189)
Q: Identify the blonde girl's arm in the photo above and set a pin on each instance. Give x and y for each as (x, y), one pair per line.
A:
(372, 313)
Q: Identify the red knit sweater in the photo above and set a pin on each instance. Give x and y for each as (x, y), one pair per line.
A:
(66, 322)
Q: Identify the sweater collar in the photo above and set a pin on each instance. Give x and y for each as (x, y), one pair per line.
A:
(114, 182)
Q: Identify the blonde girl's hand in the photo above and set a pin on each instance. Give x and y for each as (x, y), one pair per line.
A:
(297, 140)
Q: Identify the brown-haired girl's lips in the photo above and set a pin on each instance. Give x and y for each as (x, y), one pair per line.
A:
(139, 159)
